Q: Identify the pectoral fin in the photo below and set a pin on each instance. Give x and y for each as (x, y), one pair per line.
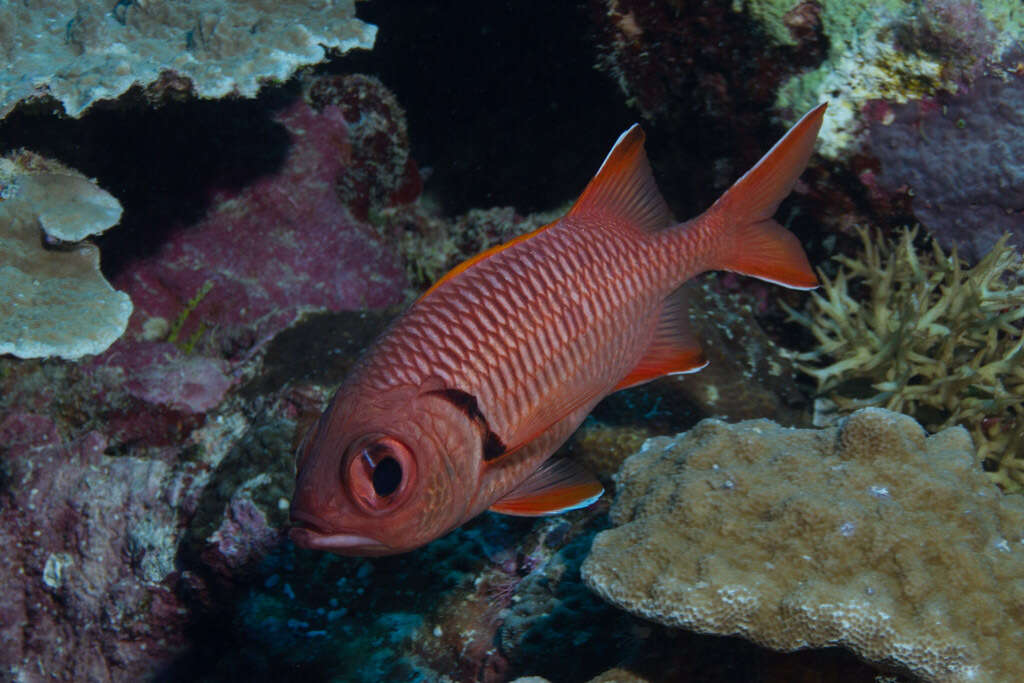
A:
(557, 486)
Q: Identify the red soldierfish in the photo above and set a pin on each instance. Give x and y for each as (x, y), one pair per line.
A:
(457, 408)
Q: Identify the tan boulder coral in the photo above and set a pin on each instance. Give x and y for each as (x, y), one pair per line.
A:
(81, 52)
(871, 535)
(54, 300)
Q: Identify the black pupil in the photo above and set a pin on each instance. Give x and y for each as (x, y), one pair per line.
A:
(387, 475)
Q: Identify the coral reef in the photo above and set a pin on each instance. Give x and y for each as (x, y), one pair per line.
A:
(238, 512)
(700, 71)
(892, 51)
(142, 492)
(959, 159)
(53, 299)
(602, 448)
(160, 374)
(139, 488)
(380, 172)
(661, 52)
(488, 602)
(550, 599)
(747, 375)
(113, 552)
(68, 206)
(871, 535)
(265, 254)
(474, 632)
(431, 245)
(80, 53)
(922, 334)
(921, 103)
(430, 613)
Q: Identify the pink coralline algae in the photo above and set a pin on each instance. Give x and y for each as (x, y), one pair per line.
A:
(88, 558)
(263, 255)
(160, 374)
(960, 160)
(266, 253)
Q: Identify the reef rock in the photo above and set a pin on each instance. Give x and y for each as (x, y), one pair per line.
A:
(88, 564)
(888, 50)
(959, 158)
(871, 535)
(266, 254)
(79, 52)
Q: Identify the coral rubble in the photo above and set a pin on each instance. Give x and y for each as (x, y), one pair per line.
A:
(53, 299)
(928, 337)
(79, 53)
(871, 535)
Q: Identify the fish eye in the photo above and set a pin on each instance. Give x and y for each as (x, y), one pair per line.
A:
(387, 475)
(377, 472)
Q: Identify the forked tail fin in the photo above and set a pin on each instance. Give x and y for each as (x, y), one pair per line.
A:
(752, 243)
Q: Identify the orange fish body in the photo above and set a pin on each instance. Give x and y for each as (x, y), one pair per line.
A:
(458, 407)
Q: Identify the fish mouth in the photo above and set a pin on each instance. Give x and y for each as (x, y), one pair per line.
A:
(311, 532)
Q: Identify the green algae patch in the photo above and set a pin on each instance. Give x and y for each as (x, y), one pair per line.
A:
(920, 333)
(771, 16)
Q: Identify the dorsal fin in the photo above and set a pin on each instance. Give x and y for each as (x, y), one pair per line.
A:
(483, 255)
(557, 486)
(624, 187)
(673, 350)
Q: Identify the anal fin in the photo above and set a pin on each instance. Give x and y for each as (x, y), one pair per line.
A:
(674, 350)
(557, 486)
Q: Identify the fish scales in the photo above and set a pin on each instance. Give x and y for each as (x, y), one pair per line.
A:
(460, 404)
(542, 314)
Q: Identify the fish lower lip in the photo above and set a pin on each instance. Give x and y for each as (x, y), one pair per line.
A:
(314, 540)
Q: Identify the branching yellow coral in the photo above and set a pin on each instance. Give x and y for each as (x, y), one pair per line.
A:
(922, 334)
